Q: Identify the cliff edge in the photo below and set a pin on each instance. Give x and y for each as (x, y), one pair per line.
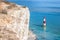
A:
(14, 22)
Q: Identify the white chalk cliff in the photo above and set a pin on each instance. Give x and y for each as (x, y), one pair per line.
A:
(14, 22)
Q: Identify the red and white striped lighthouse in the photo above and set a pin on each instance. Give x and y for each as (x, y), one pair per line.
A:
(44, 23)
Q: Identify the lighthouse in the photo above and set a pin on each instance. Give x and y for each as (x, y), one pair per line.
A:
(44, 23)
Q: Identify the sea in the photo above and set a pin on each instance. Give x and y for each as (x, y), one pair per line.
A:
(52, 28)
(52, 15)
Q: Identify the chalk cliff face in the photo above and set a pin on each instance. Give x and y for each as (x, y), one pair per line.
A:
(14, 21)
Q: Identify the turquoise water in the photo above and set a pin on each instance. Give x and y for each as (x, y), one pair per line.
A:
(53, 25)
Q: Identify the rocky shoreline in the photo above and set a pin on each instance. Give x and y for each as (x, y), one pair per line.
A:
(31, 36)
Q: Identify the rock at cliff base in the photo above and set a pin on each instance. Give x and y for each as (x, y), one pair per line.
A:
(31, 36)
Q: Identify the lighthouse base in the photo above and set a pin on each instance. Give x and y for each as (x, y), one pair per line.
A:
(44, 28)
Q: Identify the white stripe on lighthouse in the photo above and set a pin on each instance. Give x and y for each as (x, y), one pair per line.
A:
(44, 24)
(44, 19)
